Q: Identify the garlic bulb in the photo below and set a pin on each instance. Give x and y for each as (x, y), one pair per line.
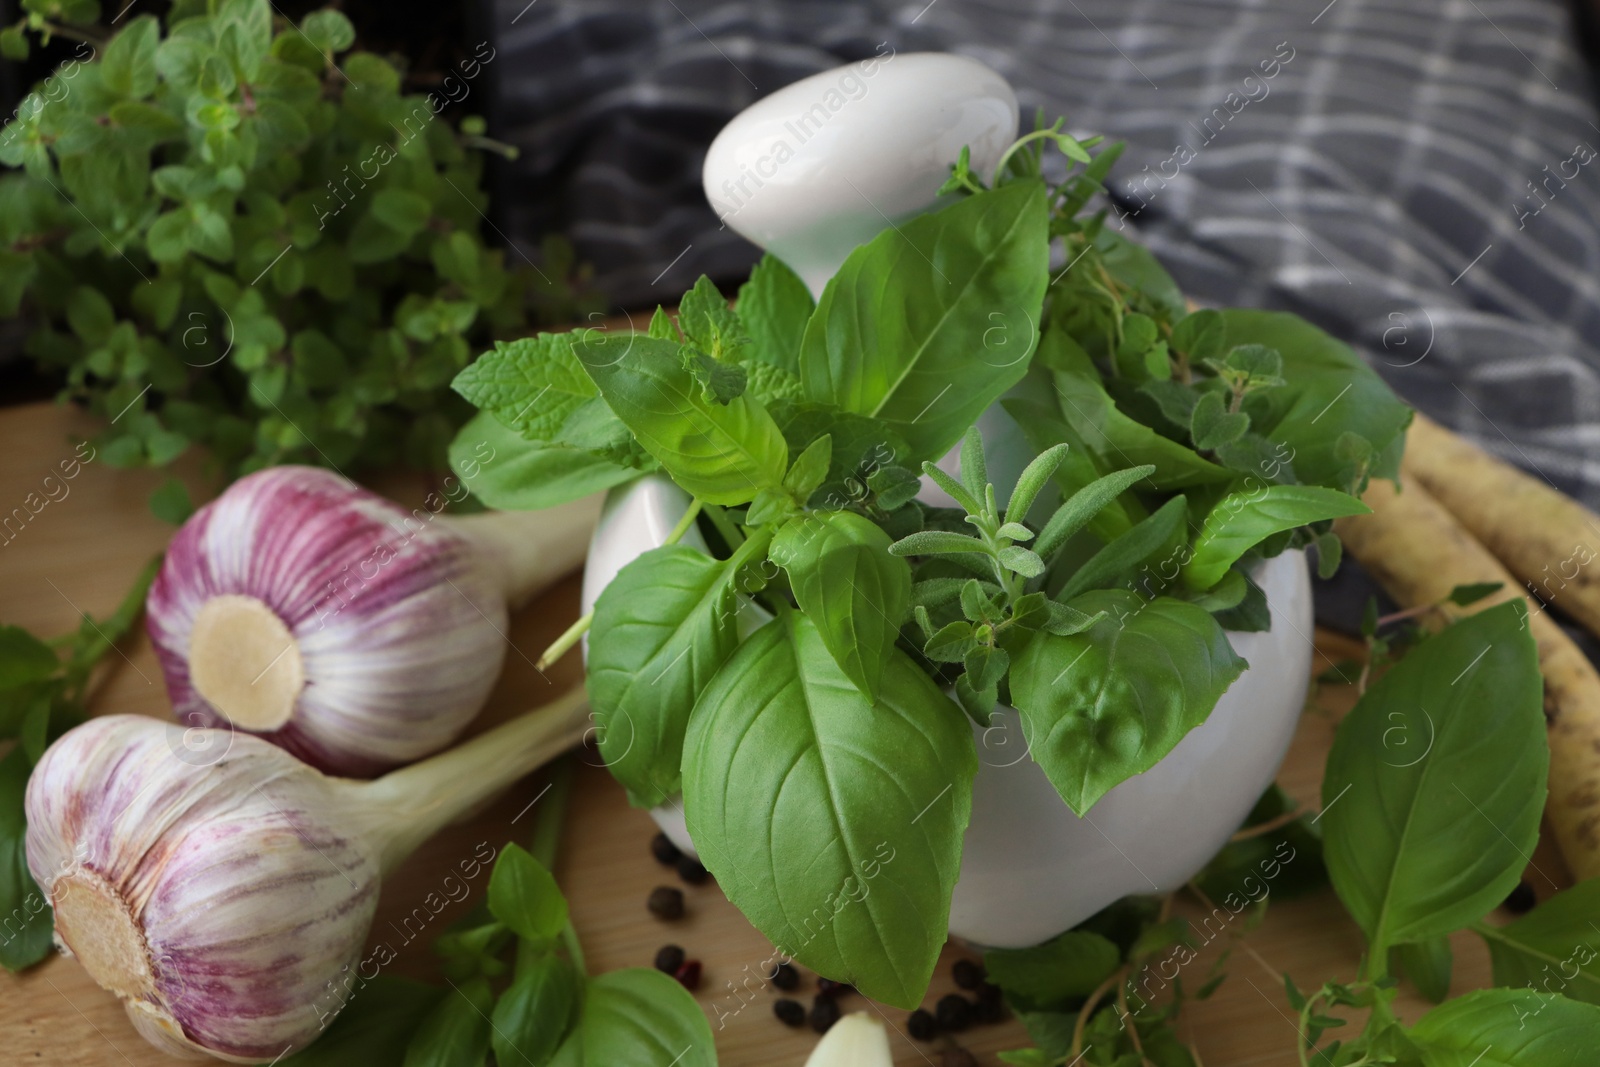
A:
(857, 1040)
(219, 886)
(336, 624)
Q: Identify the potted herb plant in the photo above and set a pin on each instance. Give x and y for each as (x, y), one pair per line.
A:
(824, 746)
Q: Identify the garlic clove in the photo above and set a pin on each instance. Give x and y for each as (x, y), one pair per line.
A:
(857, 1040)
(336, 624)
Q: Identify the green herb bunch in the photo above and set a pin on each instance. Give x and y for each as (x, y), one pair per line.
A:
(823, 769)
(235, 234)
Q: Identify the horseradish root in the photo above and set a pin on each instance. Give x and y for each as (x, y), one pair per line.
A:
(218, 886)
(1542, 535)
(334, 623)
(1417, 551)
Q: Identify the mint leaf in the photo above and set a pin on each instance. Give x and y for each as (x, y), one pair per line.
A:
(774, 306)
(531, 385)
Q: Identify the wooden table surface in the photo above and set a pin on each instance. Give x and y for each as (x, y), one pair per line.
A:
(81, 553)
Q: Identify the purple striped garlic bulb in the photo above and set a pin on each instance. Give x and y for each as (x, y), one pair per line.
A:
(221, 888)
(355, 634)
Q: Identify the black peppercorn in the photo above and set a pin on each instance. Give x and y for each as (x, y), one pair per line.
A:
(665, 852)
(827, 987)
(1521, 901)
(789, 1012)
(669, 958)
(691, 871)
(968, 975)
(954, 1013)
(990, 1006)
(785, 977)
(666, 902)
(921, 1026)
(688, 973)
(824, 1013)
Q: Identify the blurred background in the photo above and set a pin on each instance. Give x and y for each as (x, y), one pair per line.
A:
(1411, 176)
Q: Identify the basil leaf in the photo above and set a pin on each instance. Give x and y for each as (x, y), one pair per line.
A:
(832, 821)
(661, 629)
(524, 896)
(721, 453)
(456, 1032)
(533, 1017)
(1071, 965)
(1552, 947)
(25, 935)
(637, 1016)
(1329, 391)
(1509, 1028)
(1156, 538)
(1117, 439)
(1428, 964)
(531, 384)
(849, 585)
(1240, 521)
(1101, 706)
(507, 471)
(929, 322)
(774, 306)
(374, 1027)
(1431, 835)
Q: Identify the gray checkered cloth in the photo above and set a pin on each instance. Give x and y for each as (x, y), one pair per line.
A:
(1418, 177)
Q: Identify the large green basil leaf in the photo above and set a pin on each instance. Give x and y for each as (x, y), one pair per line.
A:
(661, 629)
(847, 583)
(1555, 947)
(1118, 440)
(507, 471)
(721, 453)
(1101, 706)
(637, 1016)
(1240, 521)
(928, 323)
(1444, 761)
(774, 306)
(1330, 391)
(26, 931)
(833, 822)
(1509, 1028)
(531, 384)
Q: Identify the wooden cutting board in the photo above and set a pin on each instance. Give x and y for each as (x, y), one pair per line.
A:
(80, 553)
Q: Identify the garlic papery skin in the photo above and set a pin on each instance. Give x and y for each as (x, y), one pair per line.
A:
(215, 901)
(221, 888)
(857, 1040)
(334, 623)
